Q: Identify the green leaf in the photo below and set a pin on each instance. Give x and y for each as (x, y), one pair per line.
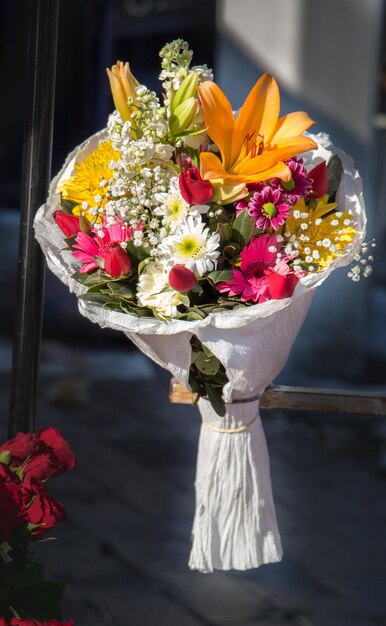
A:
(5, 457)
(22, 573)
(243, 228)
(334, 172)
(39, 601)
(4, 593)
(98, 298)
(67, 205)
(195, 314)
(185, 299)
(220, 276)
(70, 241)
(208, 367)
(124, 291)
(231, 251)
(136, 254)
(224, 229)
(215, 399)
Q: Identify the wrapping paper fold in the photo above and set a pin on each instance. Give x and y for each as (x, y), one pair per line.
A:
(235, 523)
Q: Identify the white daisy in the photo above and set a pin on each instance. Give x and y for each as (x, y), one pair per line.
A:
(173, 208)
(151, 283)
(193, 246)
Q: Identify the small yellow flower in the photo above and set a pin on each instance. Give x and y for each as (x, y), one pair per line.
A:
(88, 186)
(318, 232)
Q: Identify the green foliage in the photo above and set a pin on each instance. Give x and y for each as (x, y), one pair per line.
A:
(207, 376)
(334, 173)
(243, 229)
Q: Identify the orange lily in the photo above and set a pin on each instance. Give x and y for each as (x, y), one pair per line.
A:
(254, 146)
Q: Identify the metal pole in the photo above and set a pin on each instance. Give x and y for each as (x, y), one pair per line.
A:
(41, 67)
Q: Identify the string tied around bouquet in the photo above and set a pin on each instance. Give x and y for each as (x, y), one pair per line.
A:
(239, 429)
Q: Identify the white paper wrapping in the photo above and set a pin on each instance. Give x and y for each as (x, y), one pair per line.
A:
(235, 523)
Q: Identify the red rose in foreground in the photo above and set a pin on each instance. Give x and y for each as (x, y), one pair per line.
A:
(52, 456)
(181, 278)
(49, 454)
(15, 621)
(194, 189)
(68, 224)
(11, 504)
(42, 510)
(117, 261)
(20, 447)
(319, 178)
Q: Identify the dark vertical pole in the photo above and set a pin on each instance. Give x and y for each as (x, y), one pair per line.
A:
(41, 67)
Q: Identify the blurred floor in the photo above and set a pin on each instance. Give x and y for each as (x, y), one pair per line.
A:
(130, 501)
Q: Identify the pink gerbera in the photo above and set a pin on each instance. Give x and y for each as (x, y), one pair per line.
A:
(263, 274)
(103, 248)
(269, 208)
(298, 186)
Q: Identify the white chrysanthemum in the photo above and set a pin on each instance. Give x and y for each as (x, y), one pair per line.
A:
(173, 208)
(151, 283)
(193, 246)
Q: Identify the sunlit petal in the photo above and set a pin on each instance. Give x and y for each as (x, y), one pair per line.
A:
(259, 113)
(218, 118)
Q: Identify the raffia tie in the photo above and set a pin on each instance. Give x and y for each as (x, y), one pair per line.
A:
(240, 429)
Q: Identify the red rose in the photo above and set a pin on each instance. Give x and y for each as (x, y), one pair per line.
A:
(20, 447)
(32, 622)
(117, 261)
(42, 510)
(12, 513)
(3, 622)
(52, 455)
(194, 189)
(68, 224)
(281, 286)
(319, 178)
(181, 278)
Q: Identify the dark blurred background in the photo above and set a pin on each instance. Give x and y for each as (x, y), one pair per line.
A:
(330, 60)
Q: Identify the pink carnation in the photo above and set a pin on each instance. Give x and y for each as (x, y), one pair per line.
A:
(264, 273)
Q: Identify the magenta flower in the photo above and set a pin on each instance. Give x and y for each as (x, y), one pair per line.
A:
(102, 248)
(269, 208)
(298, 186)
(263, 274)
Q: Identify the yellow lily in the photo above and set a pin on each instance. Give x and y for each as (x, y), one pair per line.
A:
(122, 84)
(254, 146)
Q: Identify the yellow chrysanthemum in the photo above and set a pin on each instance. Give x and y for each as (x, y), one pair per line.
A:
(318, 232)
(88, 186)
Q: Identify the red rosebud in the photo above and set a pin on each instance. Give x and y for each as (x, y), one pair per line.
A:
(12, 510)
(319, 178)
(117, 261)
(194, 189)
(42, 510)
(52, 455)
(281, 286)
(181, 278)
(68, 224)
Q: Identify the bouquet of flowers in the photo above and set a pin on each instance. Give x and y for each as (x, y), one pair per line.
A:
(29, 512)
(201, 233)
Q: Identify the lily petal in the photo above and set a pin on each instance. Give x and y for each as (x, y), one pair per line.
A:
(291, 125)
(260, 112)
(218, 117)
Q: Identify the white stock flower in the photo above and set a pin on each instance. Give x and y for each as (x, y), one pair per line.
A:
(193, 246)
